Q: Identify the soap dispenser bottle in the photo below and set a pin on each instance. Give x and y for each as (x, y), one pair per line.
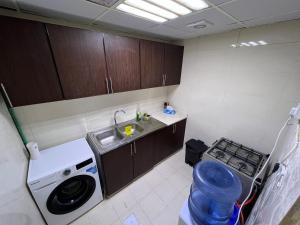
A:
(138, 113)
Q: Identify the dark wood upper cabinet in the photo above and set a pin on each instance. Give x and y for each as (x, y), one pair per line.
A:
(152, 64)
(43, 62)
(118, 168)
(123, 62)
(173, 64)
(143, 154)
(80, 61)
(27, 69)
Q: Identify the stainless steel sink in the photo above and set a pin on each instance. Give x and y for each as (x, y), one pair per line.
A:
(109, 137)
(136, 129)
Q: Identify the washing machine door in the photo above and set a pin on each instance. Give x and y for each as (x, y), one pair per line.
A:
(71, 194)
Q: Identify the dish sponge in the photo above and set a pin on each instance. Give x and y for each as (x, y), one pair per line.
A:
(128, 130)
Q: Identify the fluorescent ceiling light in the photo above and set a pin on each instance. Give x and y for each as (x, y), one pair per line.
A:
(194, 4)
(151, 8)
(262, 42)
(141, 13)
(253, 43)
(172, 6)
(244, 44)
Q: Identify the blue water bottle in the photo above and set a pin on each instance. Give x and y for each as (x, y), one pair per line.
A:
(214, 192)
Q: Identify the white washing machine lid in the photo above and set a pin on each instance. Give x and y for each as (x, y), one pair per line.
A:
(58, 158)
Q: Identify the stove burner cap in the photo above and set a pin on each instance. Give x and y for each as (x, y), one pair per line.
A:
(220, 154)
(242, 165)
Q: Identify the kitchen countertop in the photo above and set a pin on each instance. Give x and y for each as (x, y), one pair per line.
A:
(168, 119)
(158, 120)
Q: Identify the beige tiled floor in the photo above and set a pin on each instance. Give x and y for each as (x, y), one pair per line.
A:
(154, 199)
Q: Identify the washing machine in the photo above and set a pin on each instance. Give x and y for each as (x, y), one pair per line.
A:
(64, 182)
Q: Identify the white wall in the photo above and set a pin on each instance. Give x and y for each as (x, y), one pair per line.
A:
(16, 205)
(243, 93)
(54, 123)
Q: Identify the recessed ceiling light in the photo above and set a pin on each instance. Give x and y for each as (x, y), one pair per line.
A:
(141, 13)
(172, 6)
(262, 42)
(194, 4)
(234, 45)
(151, 8)
(253, 43)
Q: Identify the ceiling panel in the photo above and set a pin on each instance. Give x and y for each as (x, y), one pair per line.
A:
(219, 22)
(249, 12)
(169, 32)
(125, 20)
(218, 2)
(66, 9)
(107, 3)
(273, 19)
(251, 9)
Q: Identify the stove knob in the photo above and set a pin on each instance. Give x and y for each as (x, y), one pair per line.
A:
(67, 172)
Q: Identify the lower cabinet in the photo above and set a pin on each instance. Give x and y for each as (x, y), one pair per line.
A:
(143, 159)
(118, 168)
(121, 166)
(169, 140)
(177, 139)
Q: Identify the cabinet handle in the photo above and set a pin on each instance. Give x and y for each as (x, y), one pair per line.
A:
(107, 88)
(111, 86)
(131, 152)
(6, 95)
(175, 128)
(163, 80)
(134, 147)
(173, 131)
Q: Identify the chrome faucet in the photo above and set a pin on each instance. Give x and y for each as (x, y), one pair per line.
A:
(115, 119)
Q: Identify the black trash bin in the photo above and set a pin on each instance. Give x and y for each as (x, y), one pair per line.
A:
(194, 151)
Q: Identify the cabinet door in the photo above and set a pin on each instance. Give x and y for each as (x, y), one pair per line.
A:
(178, 135)
(152, 62)
(143, 154)
(27, 69)
(80, 60)
(173, 64)
(163, 143)
(123, 62)
(117, 168)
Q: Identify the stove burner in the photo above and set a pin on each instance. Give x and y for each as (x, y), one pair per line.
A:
(242, 165)
(220, 154)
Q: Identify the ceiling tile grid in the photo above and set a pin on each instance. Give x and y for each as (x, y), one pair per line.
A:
(222, 15)
(246, 10)
(212, 16)
(62, 8)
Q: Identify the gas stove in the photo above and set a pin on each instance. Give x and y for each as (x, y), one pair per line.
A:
(246, 162)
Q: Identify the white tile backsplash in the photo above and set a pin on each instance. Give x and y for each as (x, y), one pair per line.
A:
(54, 123)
